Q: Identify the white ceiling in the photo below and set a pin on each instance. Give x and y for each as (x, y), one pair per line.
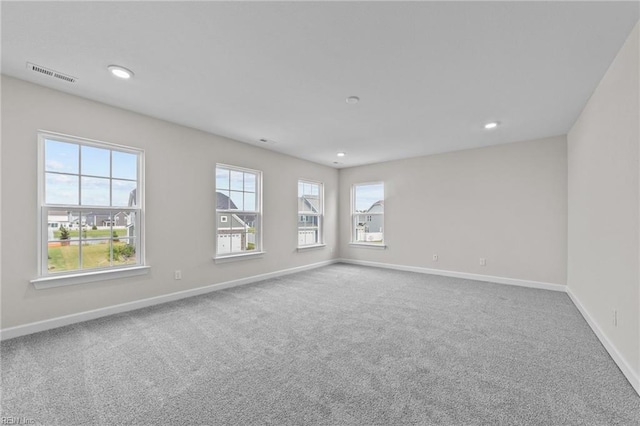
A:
(429, 74)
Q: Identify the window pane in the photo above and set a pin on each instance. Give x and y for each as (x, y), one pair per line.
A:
(61, 189)
(248, 222)
(368, 228)
(250, 201)
(222, 200)
(95, 191)
(225, 221)
(63, 255)
(125, 165)
(309, 200)
(123, 193)
(236, 233)
(307, 236)
(124, 251)
(222, 178)
(96, 161)
(82, 228)
(61, 157)
(56, 220)
(308, 221)
(96, 253)
(368, 195)
(237, 180)
(237, 202)
(250, 182)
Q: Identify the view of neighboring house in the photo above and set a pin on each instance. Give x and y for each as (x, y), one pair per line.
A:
(370, 226)
(56, 219)
(131, 218)
(308, 229)
(233, 231)
(73, 219)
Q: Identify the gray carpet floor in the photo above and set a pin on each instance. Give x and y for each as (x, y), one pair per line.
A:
(339, 345)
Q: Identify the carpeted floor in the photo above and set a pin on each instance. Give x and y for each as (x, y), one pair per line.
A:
(338, 345)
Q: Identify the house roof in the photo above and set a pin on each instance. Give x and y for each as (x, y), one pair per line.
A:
(223, 202)
(377, 203)
(307, 202)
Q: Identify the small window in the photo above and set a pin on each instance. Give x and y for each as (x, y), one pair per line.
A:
(367, 217)
(89, 206)
(238, 208)
(310, 213)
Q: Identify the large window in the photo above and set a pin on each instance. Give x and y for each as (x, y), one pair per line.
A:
(367, 213)
(310, 210)
(90, 205)
(238, 211)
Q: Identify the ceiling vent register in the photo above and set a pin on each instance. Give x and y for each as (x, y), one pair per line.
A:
(51, 73)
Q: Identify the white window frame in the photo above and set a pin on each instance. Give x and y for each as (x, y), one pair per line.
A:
(48, 279)
(355, 214)
(259, 250)
(319, 215)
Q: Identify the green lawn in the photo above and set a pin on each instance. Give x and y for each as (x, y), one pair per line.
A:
(90, 233)
(65, 258)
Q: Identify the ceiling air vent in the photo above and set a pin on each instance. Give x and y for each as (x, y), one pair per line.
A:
(51, 73)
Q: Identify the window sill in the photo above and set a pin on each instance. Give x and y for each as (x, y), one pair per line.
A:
(88, 277)
(311, 247)
(369, 245)
(241, 256)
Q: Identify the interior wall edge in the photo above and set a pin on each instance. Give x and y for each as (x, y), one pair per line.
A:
(618, 358)
(455, 274)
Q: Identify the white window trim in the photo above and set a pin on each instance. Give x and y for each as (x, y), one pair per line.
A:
(320, 215)
(369, 245)
(259, 243)
(238, 256)
(311, 247)
(79, 276)
(89, 277)
(353, 213)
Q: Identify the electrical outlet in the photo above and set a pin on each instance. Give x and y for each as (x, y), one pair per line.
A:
(615, 317)
(435, 257)
(177, 274)
(483, 261)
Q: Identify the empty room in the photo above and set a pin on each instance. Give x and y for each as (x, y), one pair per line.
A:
(320, 213)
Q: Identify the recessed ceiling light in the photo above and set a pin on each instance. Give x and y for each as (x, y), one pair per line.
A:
(120, 72)
(491, 125)
(341, 154)
(353, 100)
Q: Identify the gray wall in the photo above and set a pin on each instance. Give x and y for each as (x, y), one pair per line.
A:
(506, 203)
(180, 203)
(604, 198)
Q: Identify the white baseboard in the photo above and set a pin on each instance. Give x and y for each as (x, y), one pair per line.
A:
(466, 275)
(622, 363)
(35, 327)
